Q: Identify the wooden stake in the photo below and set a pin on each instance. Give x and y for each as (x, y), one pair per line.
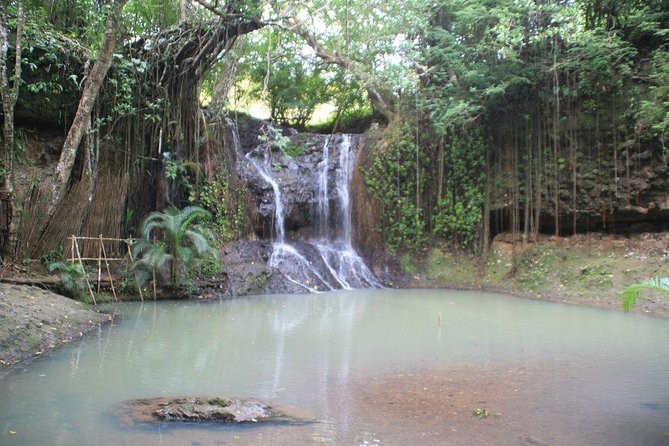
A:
(154, 284)
(90, 290)
(99, 266)
(154, 275)
(132, 260)
(111, 279)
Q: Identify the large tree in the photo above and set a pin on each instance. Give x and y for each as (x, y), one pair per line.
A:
(88, 97)
(10, 95)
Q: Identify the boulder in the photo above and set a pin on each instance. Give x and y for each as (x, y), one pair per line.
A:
(204, 410)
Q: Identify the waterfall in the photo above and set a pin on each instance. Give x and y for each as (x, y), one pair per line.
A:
(344, 174)
(336, 247)
(323, 202)
(328, 261)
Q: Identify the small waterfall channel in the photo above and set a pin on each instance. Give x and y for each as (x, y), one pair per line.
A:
(327, 260)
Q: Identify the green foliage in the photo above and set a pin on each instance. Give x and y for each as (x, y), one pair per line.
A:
(595, 276)
(458, 215)
(631, 293)
(183, 241)
(294, 150)
(206, 266)
(54, 256)
(481, 413)
(604, 62)
(151, 16)
(352, 119)
(459, 221)
(227, 204)
(654, 110)
(291, 85)
(393, 180)
(121, 86)
(72, 278)
(274, 136)
(175, 169)
(73, 18)
(182, 176)
(51, 67)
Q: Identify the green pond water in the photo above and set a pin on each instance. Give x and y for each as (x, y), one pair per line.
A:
(374, 367)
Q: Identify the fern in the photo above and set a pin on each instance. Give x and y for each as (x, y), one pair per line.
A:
(631, 293)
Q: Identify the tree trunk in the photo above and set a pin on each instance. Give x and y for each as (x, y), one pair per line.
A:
(527, 221)
(440, 179)
(185, 10)
(9, 98)
(226, 80)
(556, 139)
(88, 98)
(485, 248)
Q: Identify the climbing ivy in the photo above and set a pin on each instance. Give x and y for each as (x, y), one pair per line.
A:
(393, 180)
(458, 214)
(227, 205)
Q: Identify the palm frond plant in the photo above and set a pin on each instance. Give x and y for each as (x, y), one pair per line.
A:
(631, 293)
(72, 278)
(174, 239)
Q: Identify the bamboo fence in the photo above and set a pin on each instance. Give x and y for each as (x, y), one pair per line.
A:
(101, 259)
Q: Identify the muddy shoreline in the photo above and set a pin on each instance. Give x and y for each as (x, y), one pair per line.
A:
(34, 321)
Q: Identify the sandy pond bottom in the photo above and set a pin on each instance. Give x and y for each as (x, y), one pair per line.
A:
(375, 367)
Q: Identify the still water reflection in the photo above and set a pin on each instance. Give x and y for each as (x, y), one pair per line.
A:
(374, 366)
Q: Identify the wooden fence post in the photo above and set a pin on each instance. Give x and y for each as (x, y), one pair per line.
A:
(111, 279)
(132, 260)
(90, 290)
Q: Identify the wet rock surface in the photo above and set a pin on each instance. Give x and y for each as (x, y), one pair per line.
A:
(204, 410)
(245, 271)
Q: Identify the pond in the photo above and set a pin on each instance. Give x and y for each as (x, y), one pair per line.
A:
(374, 367)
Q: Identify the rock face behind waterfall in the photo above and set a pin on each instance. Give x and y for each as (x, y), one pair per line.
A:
(304, 209)
(298, 178)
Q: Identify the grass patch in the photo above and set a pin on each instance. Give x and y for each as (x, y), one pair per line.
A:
(498, 268)
(595, 276)
(452, 269)
(534, 266)
(408, 263)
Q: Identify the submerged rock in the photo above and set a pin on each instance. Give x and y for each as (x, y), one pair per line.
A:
(204, 410)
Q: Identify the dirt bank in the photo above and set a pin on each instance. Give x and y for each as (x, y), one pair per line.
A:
(34, 321)
(586, 269)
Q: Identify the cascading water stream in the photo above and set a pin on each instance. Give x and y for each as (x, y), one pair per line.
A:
(336, 248)
(323, 202)
(341, 266)
(343, 187)
(279, 234)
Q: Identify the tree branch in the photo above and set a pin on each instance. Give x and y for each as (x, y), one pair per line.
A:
(380, 100)
(223, 15)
